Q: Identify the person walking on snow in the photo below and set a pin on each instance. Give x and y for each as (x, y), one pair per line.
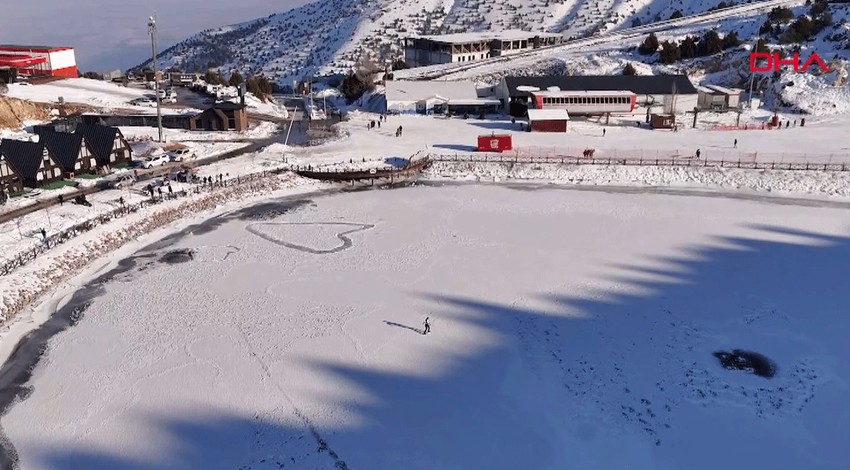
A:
(44, 236)
(603, 132)
(698, 152)
(735, 145)
(427, 327)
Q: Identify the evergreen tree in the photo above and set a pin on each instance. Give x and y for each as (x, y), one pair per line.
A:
(670, 52)
(731, 40)
(688, 47)
(710, 43)
(650, 45)
(235, 79)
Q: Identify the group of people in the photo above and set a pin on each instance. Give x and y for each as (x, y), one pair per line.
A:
(382, 118)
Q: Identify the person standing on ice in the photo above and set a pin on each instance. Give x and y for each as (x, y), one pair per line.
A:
(698, 152)
(427, 326)
(735, 145)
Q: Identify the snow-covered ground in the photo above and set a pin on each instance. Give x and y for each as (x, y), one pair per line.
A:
(565, 324)
(97, 93)
(816, 142)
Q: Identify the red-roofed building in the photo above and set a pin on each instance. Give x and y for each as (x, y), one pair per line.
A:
(40, 60)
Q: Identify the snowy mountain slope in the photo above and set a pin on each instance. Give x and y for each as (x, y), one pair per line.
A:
(327, 36)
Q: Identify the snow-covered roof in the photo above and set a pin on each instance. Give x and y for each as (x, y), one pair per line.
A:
(548, 115)
(639, 84)
(706, 90)
(411, 91)
(724, 90)
(508, 35)
(475, 102)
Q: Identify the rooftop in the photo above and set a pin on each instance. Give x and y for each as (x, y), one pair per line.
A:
(508, 35)
(26, 48)
(639, 84)
(548, 115)
(401, 90)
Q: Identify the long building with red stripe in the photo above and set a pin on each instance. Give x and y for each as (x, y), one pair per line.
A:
(39, 60)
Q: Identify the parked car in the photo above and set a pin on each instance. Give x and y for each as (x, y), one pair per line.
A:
(180, 154)
(143, 102)
(156, 160)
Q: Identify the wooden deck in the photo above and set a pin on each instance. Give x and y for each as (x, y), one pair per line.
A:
(412, 168)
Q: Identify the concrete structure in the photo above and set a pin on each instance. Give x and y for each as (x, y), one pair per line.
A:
(548, 120)
(436, 97)
(467, 47)
(668, 94)
(40, 60)
(718, 98)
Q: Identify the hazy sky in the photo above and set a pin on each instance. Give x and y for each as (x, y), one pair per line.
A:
(112, 34)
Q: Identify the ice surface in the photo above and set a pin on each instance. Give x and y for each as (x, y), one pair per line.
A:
(570, 329)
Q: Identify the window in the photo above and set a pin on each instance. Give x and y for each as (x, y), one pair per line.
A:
(56, 172)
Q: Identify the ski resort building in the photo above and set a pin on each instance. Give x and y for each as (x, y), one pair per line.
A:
(437, 97)
(548, 120)
(40, 60)
(668, 94)
(718, 98)
(468, 47)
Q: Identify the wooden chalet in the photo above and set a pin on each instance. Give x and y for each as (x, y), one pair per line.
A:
(224, 116)
(68, 150)
(10, 180)
(32, 161)
(106, 144)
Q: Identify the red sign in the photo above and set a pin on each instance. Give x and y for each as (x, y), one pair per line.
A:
(767, 62)
(494, 143)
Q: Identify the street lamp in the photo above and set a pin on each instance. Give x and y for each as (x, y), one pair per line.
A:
(152, 32)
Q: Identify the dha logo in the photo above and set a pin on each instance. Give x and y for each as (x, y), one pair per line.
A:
(767, 62)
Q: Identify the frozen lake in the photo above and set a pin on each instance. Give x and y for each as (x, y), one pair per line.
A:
(570, 329)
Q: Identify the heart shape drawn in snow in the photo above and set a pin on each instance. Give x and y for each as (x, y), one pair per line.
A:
(271, 231)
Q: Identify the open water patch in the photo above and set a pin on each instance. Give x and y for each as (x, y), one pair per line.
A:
(747, 361)
(178, 256)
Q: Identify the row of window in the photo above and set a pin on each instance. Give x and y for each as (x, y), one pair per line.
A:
(587, 100)
(464, 58)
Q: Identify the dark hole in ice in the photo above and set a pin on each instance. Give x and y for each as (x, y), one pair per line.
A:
(178, 256)
(748, 361)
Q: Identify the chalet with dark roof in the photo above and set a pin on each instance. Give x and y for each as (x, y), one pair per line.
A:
(224, 116)
(68, 150)
(10, 180)
(32, 161)
(660, 93)
(106, 144)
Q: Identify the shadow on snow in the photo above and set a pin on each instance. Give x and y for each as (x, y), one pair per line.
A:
(601, 356)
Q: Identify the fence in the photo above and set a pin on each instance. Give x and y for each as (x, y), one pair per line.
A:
(26, 256)
(750, 161)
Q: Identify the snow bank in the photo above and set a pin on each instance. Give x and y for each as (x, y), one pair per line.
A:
(812, 182)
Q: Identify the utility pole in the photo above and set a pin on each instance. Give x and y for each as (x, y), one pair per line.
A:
(752, 79)
(152, 32)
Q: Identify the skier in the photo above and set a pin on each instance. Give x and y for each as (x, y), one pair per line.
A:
(735, 145)
(427, 327)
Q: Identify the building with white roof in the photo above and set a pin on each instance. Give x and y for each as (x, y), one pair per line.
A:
(468, 47)
(718, 98)
(548, 120)
(437, 97)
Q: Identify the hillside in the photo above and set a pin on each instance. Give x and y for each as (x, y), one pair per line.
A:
(327, 36)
